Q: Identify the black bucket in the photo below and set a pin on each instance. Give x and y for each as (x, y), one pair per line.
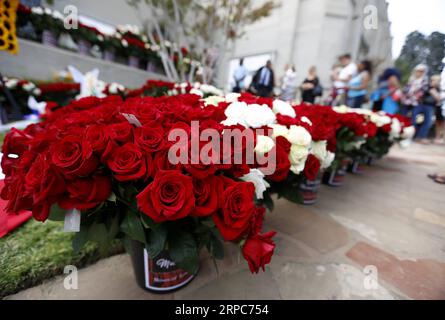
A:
(159, 275)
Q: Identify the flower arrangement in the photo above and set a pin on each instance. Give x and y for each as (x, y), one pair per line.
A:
(107, 160)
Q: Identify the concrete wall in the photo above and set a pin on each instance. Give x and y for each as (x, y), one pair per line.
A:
(316, 32)
(39, 62)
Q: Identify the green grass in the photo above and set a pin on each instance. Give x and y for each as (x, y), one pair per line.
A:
(36, 252)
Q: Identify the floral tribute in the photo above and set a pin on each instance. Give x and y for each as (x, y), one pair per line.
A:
(114, 161)
(109, 159)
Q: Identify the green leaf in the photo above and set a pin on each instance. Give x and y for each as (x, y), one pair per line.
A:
(132, 226)
(56, 213)
(216, 247)
(183, 250)
(156, 241)
(98, 233)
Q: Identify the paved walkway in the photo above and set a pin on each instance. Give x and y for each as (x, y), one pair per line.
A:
(392, 218)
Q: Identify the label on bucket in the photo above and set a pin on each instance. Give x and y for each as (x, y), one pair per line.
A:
(161, 274)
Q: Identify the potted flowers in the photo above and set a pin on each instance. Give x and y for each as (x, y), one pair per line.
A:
(103, 167)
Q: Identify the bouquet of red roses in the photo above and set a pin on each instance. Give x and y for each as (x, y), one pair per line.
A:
(105, 167)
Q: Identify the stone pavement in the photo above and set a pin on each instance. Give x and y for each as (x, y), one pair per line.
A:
(391, 218)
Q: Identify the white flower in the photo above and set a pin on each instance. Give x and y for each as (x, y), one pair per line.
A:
(232, 97)
(58, 15)
(319, 149)
(197, 92)
(298, 157)
(264, 145)
(283, 108)
(396, 128)
(256, 177)
(279, 130)
(358, 144)
(37, 92)
(11, 83)
(306, 120)
(48, 11)
(100, 37)
(409, 133)
(299, 136)
(327, 162)
(380, 120)
(124, 43)
(115, 88)
(29, 86)
(298, 153)
(258, 116)
(236, 112)
(213, 101)
(37, 10)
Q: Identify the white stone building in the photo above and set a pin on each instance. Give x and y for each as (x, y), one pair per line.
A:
(315, 32)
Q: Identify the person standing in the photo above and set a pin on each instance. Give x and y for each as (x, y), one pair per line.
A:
(414, 90)
(358, 85)
(239, 77)
(429, 99)
(311, 87)
(264, 81)
(348, 71)
(289, 84)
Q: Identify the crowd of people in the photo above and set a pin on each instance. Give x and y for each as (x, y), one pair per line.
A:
(422, 98)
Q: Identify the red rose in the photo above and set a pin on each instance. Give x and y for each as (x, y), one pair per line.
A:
(258, 251)
(150, 137)
(256, 223)
(121, 133)
(73, 157)
(207, 192)
(237, 209)
(312, 168)
(129, 163)
(169, 197)
(282, 165)
(97, 137)
(43, 181)
(85, 103)
(162, 162)
(85, 194)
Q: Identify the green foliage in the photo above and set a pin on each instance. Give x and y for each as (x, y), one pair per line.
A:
(420, 48)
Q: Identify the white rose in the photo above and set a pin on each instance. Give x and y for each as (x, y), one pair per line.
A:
(299, 136)
(213, 101)
(306, 120)
(232, 97)
(279, 130)
(396, 128)
(409, 133)
(258, 116)
(11, 83)
(298, 168)
(197, 92)
(116, 88)
(37, 10)
(124, 43)
(257, 178)
(283, 108)
(29, 86)
(236, 112)
(298, 154)
(264, 145)
(37, 92)
(48, 11)
(327, 161)
(379, 120)
(319, 149)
